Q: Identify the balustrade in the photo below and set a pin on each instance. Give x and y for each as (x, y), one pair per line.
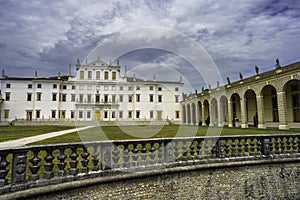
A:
(26, 166)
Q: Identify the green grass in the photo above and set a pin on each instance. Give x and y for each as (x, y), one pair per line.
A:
(16, 132)
(146, 132)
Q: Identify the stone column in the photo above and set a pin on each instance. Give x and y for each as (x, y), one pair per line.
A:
(203, 115)
(220, 115)
(282, 111)
(229, 113)
(197, 113)
(260, 112)
(244, 123)
(211, 116)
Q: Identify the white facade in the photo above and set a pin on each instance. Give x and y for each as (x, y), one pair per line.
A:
(97, 92)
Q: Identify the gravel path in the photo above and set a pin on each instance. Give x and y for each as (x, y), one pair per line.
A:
(27, 140)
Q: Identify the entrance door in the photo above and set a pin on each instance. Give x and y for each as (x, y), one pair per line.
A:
(159, 115)
(29, 115)
(97, 115)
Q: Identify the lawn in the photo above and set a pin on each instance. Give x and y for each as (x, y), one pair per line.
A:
(17, 132)
(146, 132)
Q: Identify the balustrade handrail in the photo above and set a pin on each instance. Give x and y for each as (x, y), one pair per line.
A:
(24, 167)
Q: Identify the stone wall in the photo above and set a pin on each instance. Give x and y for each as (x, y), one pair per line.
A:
(271, 181)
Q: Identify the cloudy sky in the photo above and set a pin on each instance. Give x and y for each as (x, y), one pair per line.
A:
(233, 35)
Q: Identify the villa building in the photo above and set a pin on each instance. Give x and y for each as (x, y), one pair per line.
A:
(96, 92)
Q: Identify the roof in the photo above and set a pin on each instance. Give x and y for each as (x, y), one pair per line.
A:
(62, 78)
(133, 79)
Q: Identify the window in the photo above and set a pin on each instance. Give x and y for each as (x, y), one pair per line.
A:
(121, 98)
(176, 89)
(72, 114)
(97, 75)
(62, 114)
(73, 87)
(151, 114)
(81, 76)
(176, 98)
(63, 97)
(177, 114)
(29, 96)
(151, 97)
(113, 114)
(113, 88)
(53, 113)
(114, 75)
(106, 75)
(81, 87)
(138, 87)
(105, 114)
(39, 85)
(88, 114)
(38, 96)
(113, 98)
(89, 87)
(159, 88)
(105, 87)
(6, 114)
(54, 97)
(80, 114)
(120, 114)
(129, 98)
(73, 97)
(105, 98)
(37, 114)
(129, 114)
(97, 98)
(89, 98)
(81, 98)
(137, 98)
(151, 87)
(29, 86)
(137, 114)
(7, 85)
(129, 88)
(7, 96)
(54, 86)
(121, 88)
(89, 74)
(159, 98)
(64, 87)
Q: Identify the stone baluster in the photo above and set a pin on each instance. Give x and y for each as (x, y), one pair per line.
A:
(126, 156)
(192, 150)
(62, 164)
(168, 156)
(49, 164)
(298, 144)
(206, 149)
(184, 151)
(289, 145)
(116, 157)
(176, 150)
(85, 161)
(277, 147)
(227, 149)
(3, 171)
(252, 147)
(282, 145)
(294, 146)
(199, 149)
(144, 155)
(246, 147)
(95, 159)
(35, 166)
(258, 147)
(233, 148)
(19, 167)
(221, 148)
(73, 163)
(135, 156)
(214, 151)
(160, 153)
(152, 154)
(106, 157)
(239, 147)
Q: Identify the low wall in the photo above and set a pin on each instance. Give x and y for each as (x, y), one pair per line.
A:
(271, 181)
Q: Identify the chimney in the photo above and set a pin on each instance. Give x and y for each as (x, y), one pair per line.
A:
(154, 78)
(98, 58)
(3, 73)
(125, 74)
(35, 74)
(58, 75)
(77, 64)
(118, 62)
(69, 70)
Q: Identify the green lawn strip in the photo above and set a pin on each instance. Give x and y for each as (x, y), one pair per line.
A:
(16, 132)
(144, 132)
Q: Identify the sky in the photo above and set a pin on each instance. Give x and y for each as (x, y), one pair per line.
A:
(202, 41)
